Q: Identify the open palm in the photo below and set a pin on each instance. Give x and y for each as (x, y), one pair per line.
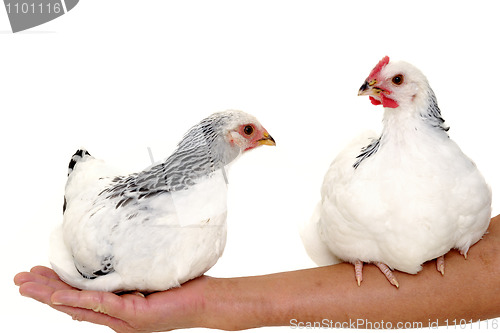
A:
(160, 311)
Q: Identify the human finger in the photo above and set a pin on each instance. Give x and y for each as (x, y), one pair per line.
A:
(55, 283)
(91, 316)
(45, 271)
(101, 302)
(37, 291)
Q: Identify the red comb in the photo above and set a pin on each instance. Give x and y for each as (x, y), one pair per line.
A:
(380, 65)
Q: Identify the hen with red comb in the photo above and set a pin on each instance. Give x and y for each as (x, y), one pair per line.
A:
(405, 196)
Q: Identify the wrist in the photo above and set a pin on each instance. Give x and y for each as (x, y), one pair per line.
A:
(240, 303)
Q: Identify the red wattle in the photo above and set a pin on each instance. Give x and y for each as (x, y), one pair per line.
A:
(375, 101)
(388, 103)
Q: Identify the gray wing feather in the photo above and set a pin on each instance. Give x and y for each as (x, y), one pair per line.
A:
(194, 157)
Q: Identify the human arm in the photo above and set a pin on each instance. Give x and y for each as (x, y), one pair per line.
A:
(467, 292)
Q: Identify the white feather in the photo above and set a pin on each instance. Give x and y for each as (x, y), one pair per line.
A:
(174, 245)
(413, 200)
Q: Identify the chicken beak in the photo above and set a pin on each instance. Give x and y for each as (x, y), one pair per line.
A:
(266, 140)
(369, 88)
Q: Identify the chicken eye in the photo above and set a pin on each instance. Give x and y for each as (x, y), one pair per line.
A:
(248, 129)
(398, 79)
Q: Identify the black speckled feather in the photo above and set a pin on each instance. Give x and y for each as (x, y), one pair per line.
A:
(367, 151)
(433, 113)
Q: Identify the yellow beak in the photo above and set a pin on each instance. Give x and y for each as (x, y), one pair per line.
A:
(369, 88)
(266, 140)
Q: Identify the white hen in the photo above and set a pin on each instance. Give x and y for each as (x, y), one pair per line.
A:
(403, 197)
(158, 228)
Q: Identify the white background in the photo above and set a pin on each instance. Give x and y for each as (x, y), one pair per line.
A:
(119, 76)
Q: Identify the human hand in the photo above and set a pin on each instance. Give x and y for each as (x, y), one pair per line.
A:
(161, 311)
